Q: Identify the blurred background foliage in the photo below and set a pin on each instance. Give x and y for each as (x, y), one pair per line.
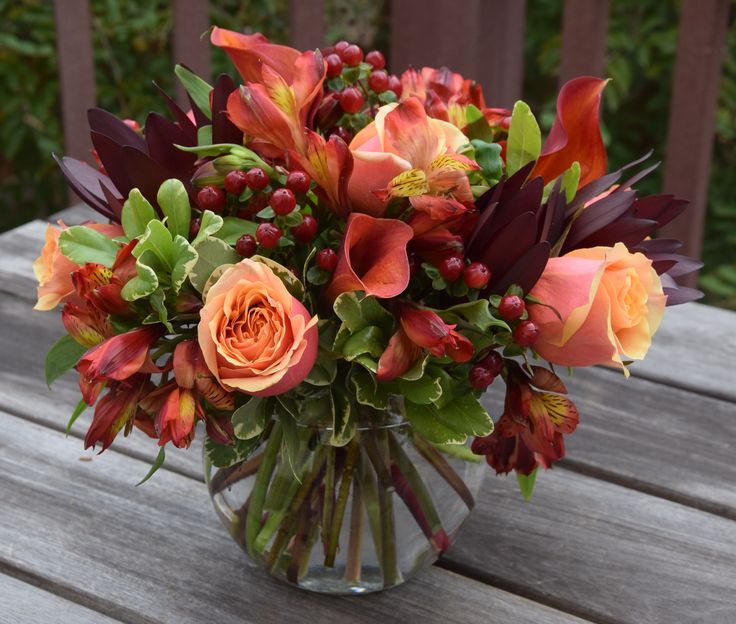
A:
(132, 34)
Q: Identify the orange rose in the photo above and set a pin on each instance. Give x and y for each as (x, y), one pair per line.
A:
(611, 303)
(53, 269)
(256, 337)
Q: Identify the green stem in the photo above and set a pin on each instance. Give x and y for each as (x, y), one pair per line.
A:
(342, 500)
(369, 494)
(258, 495)
(440, 464)
(226, 477)
(376, 445)
(328, 499)
(355, 541)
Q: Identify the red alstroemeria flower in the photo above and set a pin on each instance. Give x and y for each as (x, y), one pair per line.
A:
(175, 419)
(425, 330)
(115, 359)
(576, 133)
(117, 409)
(372, 258)
(88, 325)
(249, 53)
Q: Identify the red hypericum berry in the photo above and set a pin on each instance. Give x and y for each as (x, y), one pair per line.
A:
(480, 377)
(526, 333)
(343, 133)
(511, 307)
(378, 81)
(477, 275)
(352, 55)
(235, 181)
(493, 362)
(451, 268)
(351, 100)
(268, 235)
(327, 50)
(194, 227)
(282, 201)
(327, 260)
(298, 182)
(306, 230)
(340, 47)
(256, 179)
(334, 65)
(394, 84)
(246, 245)
(375, 59)
(211, 198)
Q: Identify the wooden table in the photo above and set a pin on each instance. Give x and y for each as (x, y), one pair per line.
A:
(638, 524)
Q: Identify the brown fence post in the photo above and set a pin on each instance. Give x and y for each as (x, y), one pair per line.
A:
(76, 73)
(584, 33)
(481, 39)
(190, 48)
(700, 51)
(306, 24)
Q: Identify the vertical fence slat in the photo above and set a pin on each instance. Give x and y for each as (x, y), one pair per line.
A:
(191, 21)
(481, 39)
(76, 73)
(306, 24)
(584, 33)
(700, 52)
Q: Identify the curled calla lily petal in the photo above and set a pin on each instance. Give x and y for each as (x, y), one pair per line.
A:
(399, 356)
(249, 53)
(576, 133)
(372, 257)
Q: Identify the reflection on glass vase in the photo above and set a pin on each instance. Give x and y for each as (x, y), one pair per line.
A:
(356, 518)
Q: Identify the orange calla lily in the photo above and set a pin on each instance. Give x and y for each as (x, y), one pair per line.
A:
(576, 133)
(249, 53)
(372, 257)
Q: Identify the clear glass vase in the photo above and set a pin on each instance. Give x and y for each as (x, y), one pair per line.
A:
(357, 518)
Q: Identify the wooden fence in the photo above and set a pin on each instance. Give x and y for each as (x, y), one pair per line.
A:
(435, 33)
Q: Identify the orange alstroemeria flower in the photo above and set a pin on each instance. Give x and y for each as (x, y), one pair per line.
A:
(425, 330)
(576, 133)
(372, 258)
(404, 153)
(88, 325)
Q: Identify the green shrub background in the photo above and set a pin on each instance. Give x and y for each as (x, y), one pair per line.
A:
(133, 34)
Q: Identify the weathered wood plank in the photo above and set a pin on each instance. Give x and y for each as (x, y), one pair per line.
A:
(159, 551)
(602, 551)
(306, 24)
(191, 45)
(584, 35)
(700, 49)
(24, 604)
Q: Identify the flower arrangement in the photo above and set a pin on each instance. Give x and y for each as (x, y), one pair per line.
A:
(330, 245)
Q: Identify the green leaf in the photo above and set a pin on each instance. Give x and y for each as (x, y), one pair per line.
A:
(367, 340)
(184, 258)
(525, 139)
(156, 239)
(173, 199)
(367, 390)
(323, 372)
(213, 253)
(204, 135)
(81, 406)
(158, 302)
(427, 389)
(233, 228)
(452, 424)
(156, 465)
(210, 224)
(137, 212)
(82, 244)
(570, 180)
(62, 356)
(209, 150)
(291, 439)
(488, 156)
(225, 455)
(249, 420)
(318, 276)
(292, 283)
(526, 483)
(197, 88)
(476, 125)
(477, 313)
(142, 285)
(343, 426)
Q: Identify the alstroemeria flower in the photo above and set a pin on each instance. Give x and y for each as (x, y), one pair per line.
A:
(87, 324)
(426, 330)
(254, 335)
(115, 359)
(576, 133)
(117, 409)
(404, 153)
(53, 269)
(372, 258)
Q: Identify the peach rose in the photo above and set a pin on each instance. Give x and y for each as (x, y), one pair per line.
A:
(611, 303)
(53, 269)
(256, 337)
(380, 153)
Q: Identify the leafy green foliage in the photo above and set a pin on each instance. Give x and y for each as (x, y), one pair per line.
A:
(174, 202)
(82, 244)
(62, 356)
(225, 455)
(137, 212)
(526, 483)
(525, 139)
(158, 462)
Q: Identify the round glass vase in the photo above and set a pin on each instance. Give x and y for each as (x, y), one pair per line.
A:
(351, 519)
